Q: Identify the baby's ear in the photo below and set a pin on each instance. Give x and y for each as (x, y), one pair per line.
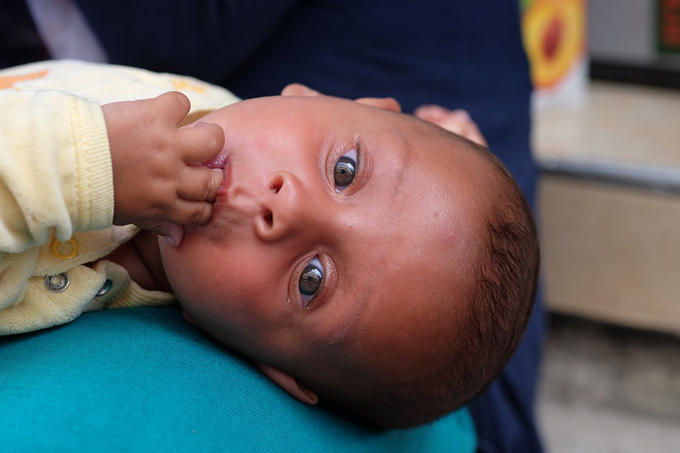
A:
(289, 384)
(383, 103)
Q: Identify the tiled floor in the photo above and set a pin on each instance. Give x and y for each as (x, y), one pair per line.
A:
(609, 389)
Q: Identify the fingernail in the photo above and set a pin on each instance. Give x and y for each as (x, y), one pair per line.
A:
(218, 174)
(200, 124)
(170, 240)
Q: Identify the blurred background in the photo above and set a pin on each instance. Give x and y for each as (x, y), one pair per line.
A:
(607, 139)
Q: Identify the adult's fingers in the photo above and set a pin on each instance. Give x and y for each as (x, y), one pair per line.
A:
(298, 89)
(457, 121)
(383, 103)
(431, 112)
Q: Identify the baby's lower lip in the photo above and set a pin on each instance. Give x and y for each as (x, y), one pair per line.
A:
(220, 161)
(216, 162)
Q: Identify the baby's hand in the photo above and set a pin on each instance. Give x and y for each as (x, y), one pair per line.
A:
(457, 121)
(157, 184)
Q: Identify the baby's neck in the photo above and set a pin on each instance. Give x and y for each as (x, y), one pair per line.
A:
(142, 259)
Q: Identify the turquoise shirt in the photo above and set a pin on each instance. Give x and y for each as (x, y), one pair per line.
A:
(141, 379)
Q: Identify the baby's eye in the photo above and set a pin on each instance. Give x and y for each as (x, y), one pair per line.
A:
(344, 171)
(310, 280)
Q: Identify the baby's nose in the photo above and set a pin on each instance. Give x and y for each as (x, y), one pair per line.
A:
(287, 208)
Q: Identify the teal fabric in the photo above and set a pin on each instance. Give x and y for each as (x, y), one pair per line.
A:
(142, 379)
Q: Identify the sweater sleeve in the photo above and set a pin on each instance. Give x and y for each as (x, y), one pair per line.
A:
(55, 168)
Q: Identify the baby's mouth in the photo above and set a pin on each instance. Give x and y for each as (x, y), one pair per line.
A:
(216, 162)
(220, 161)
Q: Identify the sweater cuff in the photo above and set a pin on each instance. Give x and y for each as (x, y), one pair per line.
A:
(94, 171)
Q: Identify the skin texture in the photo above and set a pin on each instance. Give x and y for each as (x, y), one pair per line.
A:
(397, 245)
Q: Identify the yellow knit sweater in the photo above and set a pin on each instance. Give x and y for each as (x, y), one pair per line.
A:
(56, 188)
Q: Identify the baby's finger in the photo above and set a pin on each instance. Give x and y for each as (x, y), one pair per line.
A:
(199, 183)
(174, 105)
(170, 232)
(201, 142)
(186, 212)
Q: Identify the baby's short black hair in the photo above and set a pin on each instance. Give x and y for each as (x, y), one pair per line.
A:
(505, 286)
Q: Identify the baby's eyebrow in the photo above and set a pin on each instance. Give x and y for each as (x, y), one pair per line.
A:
(402, 150)
(399, 136)
(403, 144)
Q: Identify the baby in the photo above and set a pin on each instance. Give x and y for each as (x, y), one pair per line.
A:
(360, 257)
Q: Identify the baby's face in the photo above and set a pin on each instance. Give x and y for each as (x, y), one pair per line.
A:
(338, 227)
